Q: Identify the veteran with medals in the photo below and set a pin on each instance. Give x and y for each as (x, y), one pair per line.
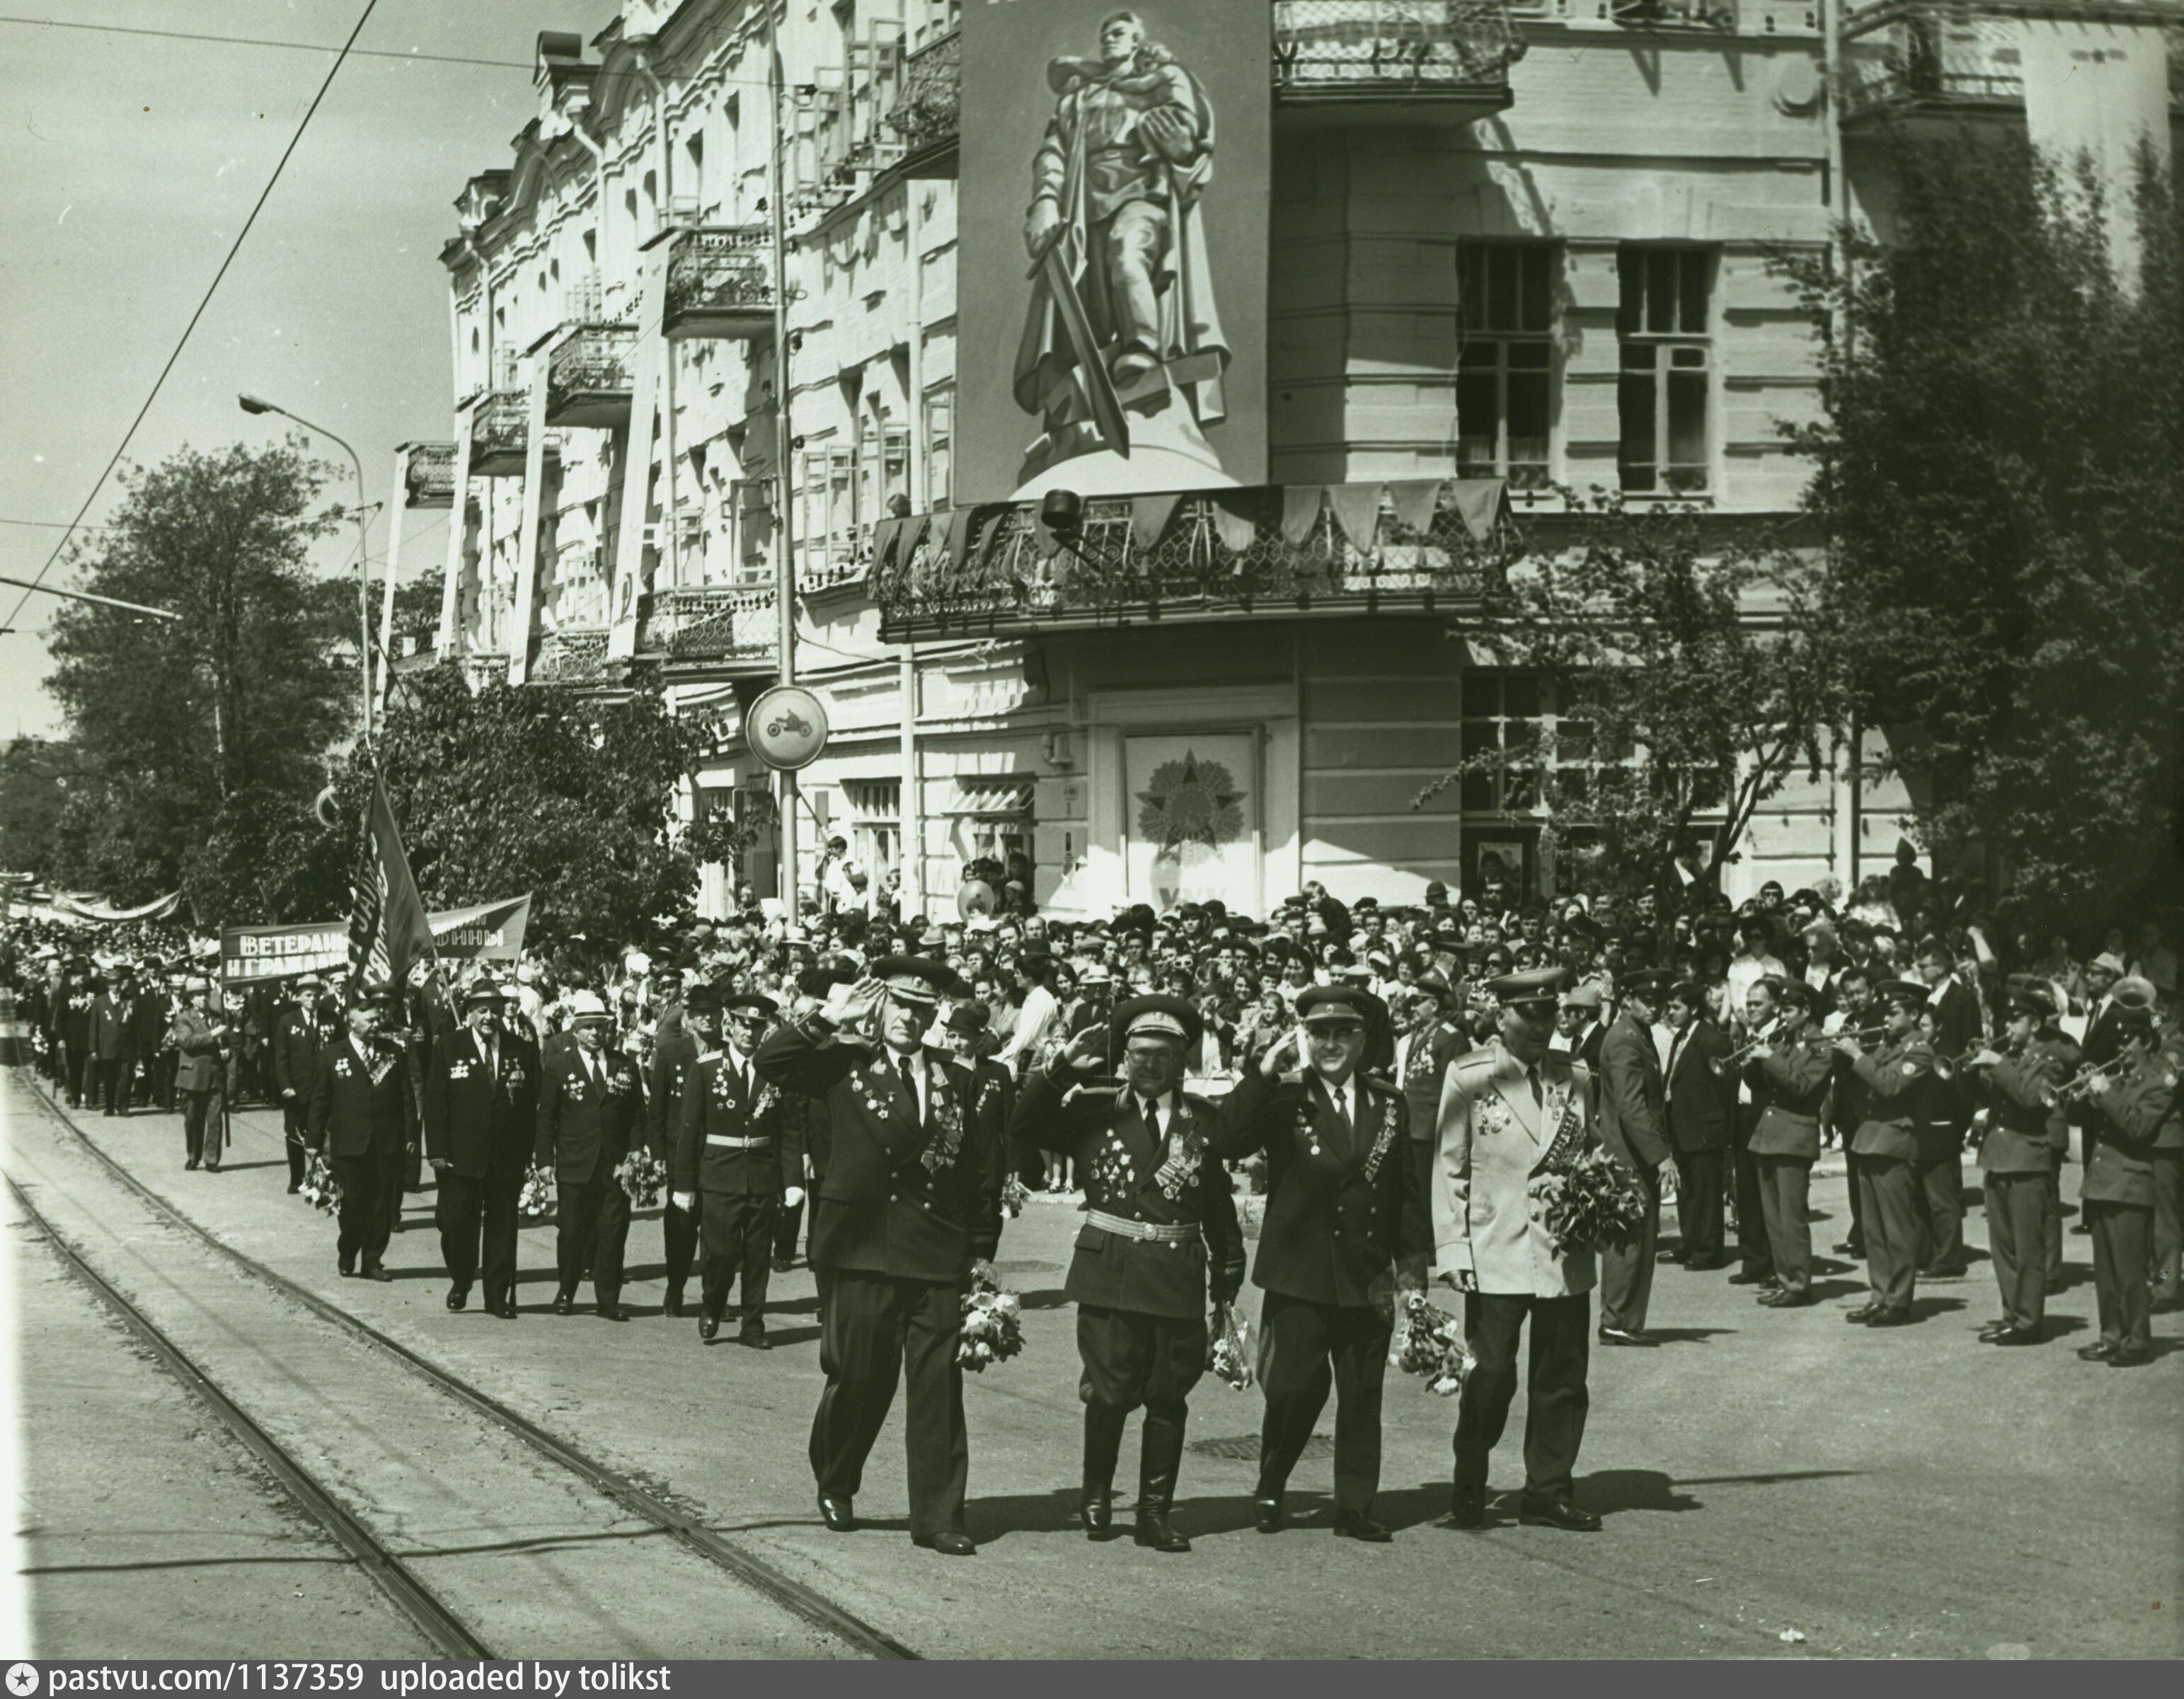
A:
(1160, 1221)
(1344, 1226)
(481, 1113)
(908, 1210)
(1508, 1111)
(359, 1117)
(738, 1156)
(590, 1107)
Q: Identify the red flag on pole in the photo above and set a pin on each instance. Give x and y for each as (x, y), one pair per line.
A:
(387, 930)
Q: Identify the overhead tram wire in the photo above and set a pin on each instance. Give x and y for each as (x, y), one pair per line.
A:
(234, 248)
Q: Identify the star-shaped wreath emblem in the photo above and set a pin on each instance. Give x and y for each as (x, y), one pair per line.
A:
(1191, 801)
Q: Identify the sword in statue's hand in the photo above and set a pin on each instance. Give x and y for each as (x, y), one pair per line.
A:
(1099, 385)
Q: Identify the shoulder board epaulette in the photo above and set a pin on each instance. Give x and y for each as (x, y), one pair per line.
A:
(1481, 1057)
(1378, 1082)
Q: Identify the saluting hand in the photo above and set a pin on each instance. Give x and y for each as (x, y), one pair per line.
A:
(1283, 1056)
(1087, 1052)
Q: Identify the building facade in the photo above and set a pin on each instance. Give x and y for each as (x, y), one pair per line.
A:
(1515, 246)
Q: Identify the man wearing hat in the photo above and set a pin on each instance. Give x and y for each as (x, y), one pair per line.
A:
(2132, 1096)
(295, 1045)
(590, 1104)
(1436, 1038)
(738, 1155)
(688, 1027)
(1890, 1087)
(1510, 1110)
(1160, 1220)
(200, 1040)
(359, 1116)
(481, 1115)
(1634, 1128)
(1344, 1225)
(2026, 1133)
(911, 1211)
(1789, 1072)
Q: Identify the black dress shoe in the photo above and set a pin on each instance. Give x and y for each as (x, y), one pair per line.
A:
(295, 1186)
(1668, 1256)
(673, 1307)
(1626, 1336)
(708, 1326)
(2015, 1336)
(1466, 1509)
(1153, 1531)
(1706, 1265)
(1891, 1319)
(838, 1514)
(212, 1167)
(1267, 1512)
(372, 1271)
(2100, 1350)
(505, 1309)
(781, 1265)
(1863, 1312)
(755, 1338)
(948, 1543)
(564, 1304)
(2130, 1357)
(459, 1297)
(613, 1312)
(1782, 1299)
(192, 1163)
(1349, 1525)
(1557, 1513)
(1095, 1512)
(348, 1267)
(1745, 1277)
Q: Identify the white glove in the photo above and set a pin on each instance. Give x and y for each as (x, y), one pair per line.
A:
(792, 1195)
(685, 1201)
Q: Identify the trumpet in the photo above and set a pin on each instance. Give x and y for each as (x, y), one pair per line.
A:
(1737, 1058)
(1862, 1036)
(2082, 1083)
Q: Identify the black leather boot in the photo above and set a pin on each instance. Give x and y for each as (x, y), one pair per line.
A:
(1103, 1444)
(1160, 1456)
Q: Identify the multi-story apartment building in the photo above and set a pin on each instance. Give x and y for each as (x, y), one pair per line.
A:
(1514, 247)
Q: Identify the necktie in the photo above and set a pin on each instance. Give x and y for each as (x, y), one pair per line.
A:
(1152, 1118)
(909, 1084)
(1538, 1091)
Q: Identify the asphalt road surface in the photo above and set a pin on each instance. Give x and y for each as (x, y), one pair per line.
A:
(1774, 1483)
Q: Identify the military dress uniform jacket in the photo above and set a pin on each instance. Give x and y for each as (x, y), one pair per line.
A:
(1896, 1084)
(476, 1114)
(2130, 1117)
(1492, 1139)
(908, 1200)
(1791, 1087)
(674, 1058)
(587, 1125)
(1344, 1208)
(717, 1104)
(359, 1105)
(2025, 1131)
(1175, 1181)
(1634, 1121)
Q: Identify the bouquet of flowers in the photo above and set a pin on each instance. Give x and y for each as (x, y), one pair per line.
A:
(1588, 1203)
(320, 1189)
(535, 1202)
(1227, 1354)
(1429, 1343)
(641, 1174)
(991, 1330)
(1014, 1197)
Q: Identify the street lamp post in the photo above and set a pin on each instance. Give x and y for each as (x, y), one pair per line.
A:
(253, 403)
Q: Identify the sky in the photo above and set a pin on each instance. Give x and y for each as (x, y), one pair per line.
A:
(127, 164)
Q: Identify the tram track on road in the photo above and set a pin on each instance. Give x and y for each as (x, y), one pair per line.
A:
(752, 1570)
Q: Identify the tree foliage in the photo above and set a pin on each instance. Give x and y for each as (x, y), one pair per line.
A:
(2001, 469)
(34, 787)
(1694, 672)
(539, 789)
(195, 738)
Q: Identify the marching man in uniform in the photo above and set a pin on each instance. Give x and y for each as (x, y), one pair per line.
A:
(689, 1030)
(1509, 1109)
(1789, 1072)
(1345, 1225)
(1162, 1218)
(1890, 1086)
(359, 1117)
(480, 1115)
(2132, 1096)
(589, 1105)
(909, 1213)
(736, 1144)
(2026, 1134)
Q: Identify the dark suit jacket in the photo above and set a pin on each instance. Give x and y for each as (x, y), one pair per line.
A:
(1332, 1233)
(1634, 1124)
(674, 1056)
(1126, 1174)
(351, 1113)
(585, 1127)
(296, 1047)
(1957, 1021)
(1702, 1105)
(1422, 1076)
(713, 1104)
(476, 1118)
(896, 1200)
(110, 1026)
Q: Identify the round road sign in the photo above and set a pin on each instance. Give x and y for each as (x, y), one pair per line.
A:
(787, 727)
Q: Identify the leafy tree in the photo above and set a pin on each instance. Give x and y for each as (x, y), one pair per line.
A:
(1694, 672)
(34, 788)
(197, 733)
(541, 790)
(2001, 472)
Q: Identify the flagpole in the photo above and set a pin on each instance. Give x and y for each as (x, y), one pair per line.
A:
(784, 569)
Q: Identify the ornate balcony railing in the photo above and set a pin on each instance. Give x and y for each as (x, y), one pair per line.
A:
(1346, 50)
(1368, 549)
(482, 667)
(575, 657)
(500, 433)
(1904, 57)
(720, 283)
(929, 115)
(1715, 17)
(716, 623)
(587, 379)
(428, 477)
